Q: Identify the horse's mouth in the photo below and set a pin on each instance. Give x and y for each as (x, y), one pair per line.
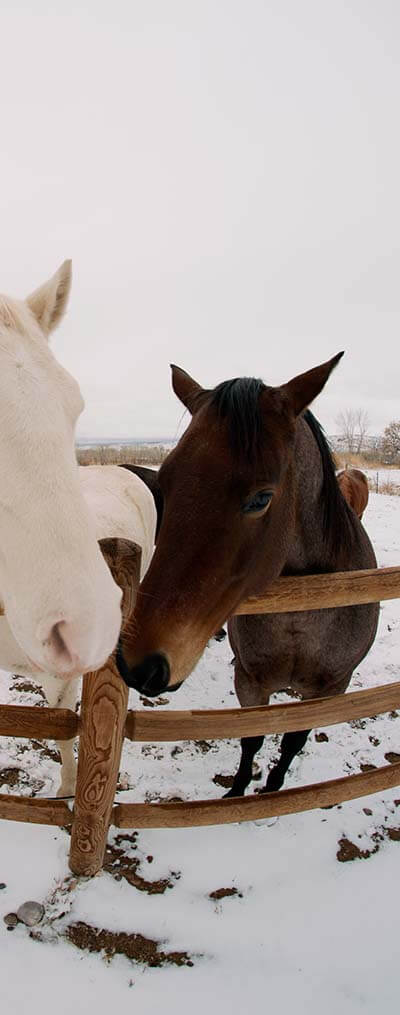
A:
(150, 677)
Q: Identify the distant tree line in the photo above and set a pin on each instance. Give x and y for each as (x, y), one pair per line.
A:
(352, 437)
(127, 454)
(353, 426)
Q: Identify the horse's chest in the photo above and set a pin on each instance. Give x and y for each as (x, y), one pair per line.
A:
(293, 648)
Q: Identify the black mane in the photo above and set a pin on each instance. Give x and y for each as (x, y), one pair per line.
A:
(337, 516)
(238, 401)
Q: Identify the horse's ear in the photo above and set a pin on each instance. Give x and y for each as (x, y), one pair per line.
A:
(49, 302)
(302, 390)
(185, 387)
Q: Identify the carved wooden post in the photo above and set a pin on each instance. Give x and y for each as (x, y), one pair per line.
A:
(103, 714)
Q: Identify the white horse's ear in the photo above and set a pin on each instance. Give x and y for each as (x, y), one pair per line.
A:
(48, 303)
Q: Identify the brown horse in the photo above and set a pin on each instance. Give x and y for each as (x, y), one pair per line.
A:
(250, 493)
(354, 486)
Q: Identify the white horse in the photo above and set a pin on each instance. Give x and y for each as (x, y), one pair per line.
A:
(62, 608)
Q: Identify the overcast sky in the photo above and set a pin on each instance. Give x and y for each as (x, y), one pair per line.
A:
(225, 176)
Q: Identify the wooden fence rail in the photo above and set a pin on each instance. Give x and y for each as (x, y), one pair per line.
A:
(323, 591)
(104, 722)
(38, 723)
(207, 724)
(257, 806)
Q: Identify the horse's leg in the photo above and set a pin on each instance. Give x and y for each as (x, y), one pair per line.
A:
(291, 744)
(249, 693)
(64, 694)
(250, 746)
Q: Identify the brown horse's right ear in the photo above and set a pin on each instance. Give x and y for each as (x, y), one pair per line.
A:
(185, 387)
(302, 390)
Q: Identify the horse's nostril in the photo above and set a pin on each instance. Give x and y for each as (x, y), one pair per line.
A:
(150, 677)
(56, 642)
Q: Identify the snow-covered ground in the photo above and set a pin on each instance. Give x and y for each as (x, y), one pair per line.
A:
(303, 930)
(388, 479)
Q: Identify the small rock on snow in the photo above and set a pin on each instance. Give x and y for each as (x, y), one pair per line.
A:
(10, 920)
(30, 913)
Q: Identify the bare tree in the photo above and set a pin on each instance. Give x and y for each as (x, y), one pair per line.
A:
(391, 441)
(363, 424)
(353, 425)
(346, 424)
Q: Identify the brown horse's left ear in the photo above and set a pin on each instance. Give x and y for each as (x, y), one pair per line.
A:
(185, 387)
(302, 390)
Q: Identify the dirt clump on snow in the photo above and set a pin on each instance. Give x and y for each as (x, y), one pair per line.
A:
(392, 757)
(153, 702)
(349, 851)
(11, 776)
(25, 686)
(126, 867)
(223, 893)
(393, 834)
(203, 746)
(134, 946)
(223, 780)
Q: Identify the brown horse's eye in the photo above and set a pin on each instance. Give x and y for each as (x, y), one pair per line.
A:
(258, 502)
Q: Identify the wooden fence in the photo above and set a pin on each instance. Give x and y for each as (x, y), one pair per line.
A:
(104, 722)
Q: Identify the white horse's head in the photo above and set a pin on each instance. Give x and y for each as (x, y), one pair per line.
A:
(59, 597)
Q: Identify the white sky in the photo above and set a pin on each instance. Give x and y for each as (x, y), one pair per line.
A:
(225, 176)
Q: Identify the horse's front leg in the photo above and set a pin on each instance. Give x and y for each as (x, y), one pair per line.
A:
(64, 694)
(249, 693)
(244, 774)
(292, 744)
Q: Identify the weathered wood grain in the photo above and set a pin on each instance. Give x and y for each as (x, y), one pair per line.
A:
(37, 811)
(251, 808)
(103, 710)
(206, 724)
(103, 715)
(39, 723)
(324, 591)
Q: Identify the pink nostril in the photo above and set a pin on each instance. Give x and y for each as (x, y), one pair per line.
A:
(57, 644)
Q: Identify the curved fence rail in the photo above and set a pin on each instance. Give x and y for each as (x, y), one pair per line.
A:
(249, 722)
(104, 722)
(257, 806)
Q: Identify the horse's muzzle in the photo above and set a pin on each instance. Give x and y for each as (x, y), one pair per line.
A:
(150, 677)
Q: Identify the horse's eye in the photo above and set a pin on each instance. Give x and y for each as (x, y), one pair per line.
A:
(258, 502)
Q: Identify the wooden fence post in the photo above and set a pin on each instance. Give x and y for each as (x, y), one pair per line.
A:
(103, 715)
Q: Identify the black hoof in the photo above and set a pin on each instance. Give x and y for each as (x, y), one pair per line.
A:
(273, 784)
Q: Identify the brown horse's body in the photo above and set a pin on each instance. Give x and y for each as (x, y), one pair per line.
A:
(250, 493)
(354, 486)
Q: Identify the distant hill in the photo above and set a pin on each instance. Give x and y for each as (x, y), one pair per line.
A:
(120, 442)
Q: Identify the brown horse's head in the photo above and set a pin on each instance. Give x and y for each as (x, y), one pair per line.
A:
(228, 521)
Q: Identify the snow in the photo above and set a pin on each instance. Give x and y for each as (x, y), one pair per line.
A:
(305, 930)
(387, 477)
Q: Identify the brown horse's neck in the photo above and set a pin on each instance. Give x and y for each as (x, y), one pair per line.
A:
(310, 551)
